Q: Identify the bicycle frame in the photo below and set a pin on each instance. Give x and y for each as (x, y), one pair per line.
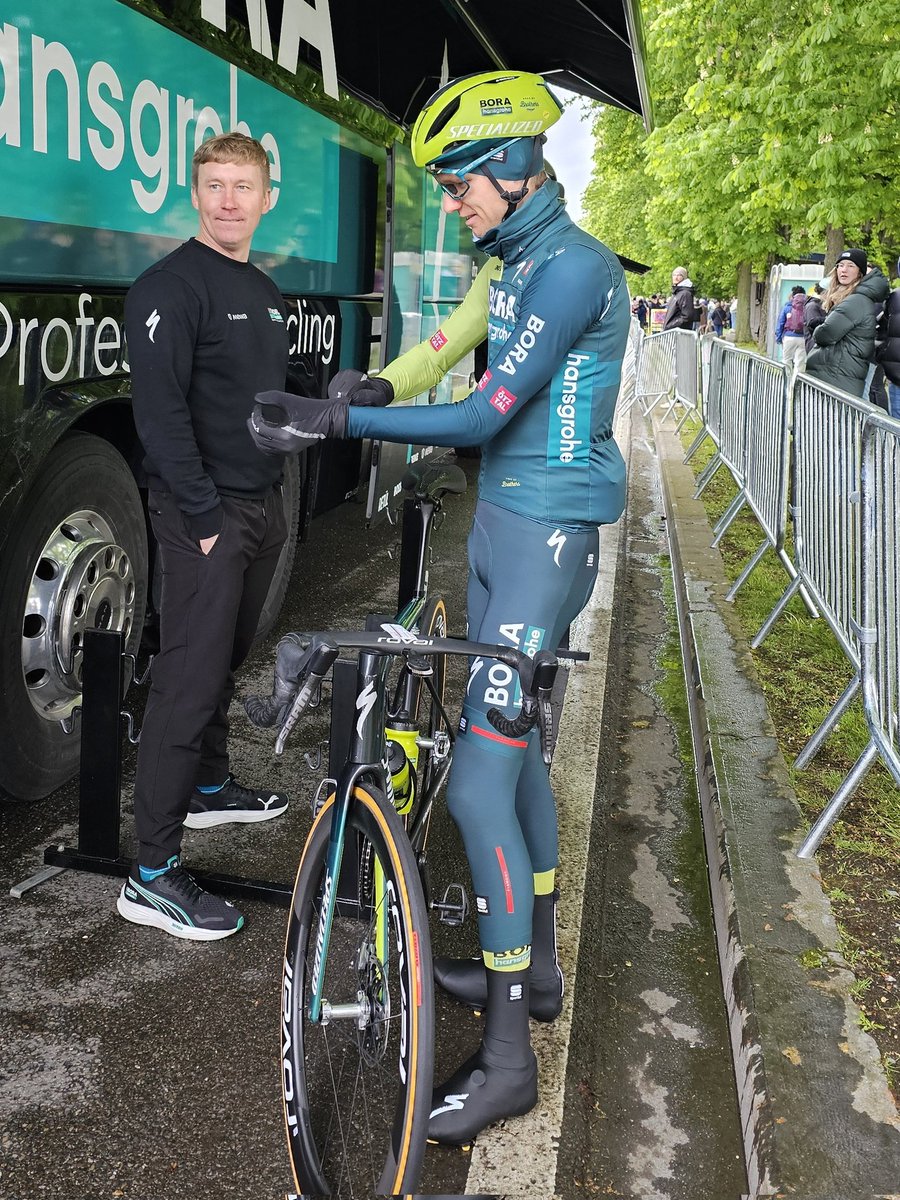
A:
(367, 757)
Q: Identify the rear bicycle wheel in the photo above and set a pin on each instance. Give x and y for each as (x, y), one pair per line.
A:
(356, 1085)
(430, 719)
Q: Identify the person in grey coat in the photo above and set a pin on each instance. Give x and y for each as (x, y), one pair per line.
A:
(845, 341)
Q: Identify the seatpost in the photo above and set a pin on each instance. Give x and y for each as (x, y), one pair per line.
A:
(418, 515)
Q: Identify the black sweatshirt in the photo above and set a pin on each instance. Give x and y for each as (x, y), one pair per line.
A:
(205, 334)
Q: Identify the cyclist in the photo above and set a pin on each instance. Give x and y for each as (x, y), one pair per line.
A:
(554, 305)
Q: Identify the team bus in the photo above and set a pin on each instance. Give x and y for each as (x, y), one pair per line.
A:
(101, 109)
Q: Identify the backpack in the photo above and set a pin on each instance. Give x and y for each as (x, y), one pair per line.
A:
(794, 321)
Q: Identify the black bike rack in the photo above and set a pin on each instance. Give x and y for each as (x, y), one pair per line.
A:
(100, 778)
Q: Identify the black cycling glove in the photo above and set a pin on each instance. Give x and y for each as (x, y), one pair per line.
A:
(282, 423)
(360, 390)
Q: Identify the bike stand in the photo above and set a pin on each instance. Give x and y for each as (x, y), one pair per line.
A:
(100, 777)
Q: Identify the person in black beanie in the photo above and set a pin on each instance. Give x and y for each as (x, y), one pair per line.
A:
(845, 342)
(206, 330)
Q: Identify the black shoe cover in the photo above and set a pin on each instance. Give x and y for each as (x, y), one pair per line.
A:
(466, 980)
(478, 1094)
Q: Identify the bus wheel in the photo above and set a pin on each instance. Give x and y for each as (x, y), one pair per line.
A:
(77, 561)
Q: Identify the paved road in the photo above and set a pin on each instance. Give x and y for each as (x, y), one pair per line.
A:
(135, 1065)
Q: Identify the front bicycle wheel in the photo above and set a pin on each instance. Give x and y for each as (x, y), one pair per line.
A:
(357, 1082)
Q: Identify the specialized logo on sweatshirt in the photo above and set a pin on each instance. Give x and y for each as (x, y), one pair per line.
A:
(152, 322)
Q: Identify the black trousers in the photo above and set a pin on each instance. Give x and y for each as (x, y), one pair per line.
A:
(208, 617)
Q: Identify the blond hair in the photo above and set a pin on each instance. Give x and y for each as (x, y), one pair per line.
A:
(231, 147)
(836, 292)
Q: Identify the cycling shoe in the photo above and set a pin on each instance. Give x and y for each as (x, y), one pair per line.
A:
(478, 1094)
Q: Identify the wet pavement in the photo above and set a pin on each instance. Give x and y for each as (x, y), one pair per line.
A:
(136, 1065)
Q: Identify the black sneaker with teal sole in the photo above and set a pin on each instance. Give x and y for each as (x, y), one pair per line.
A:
(175, 903)
(233, 804)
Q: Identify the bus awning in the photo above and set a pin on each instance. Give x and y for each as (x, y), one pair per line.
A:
(393, 54)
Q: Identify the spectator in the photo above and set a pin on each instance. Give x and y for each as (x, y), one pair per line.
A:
(888, 351)
(216, 509)
(703, 309)
(789, 331)
(718, 317)
(845, 342)
(642, 312)
(813, 313)
(680, 310)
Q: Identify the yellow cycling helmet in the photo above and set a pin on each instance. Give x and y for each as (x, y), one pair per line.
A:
(492, 106)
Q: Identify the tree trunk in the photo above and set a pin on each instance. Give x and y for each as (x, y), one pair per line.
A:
(834, 244)
(744, 289)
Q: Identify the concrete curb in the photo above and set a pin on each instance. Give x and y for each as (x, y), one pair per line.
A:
(817, 1116)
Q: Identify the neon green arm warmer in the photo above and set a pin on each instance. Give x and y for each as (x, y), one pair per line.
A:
(422, 367)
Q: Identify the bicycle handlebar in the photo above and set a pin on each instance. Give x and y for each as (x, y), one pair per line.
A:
(303, 660)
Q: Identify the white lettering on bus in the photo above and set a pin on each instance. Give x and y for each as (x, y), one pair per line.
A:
(88, 346)
(111, 119)
(309, 20)
(311, 333)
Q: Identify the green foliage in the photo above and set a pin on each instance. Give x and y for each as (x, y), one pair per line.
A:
(775, 122)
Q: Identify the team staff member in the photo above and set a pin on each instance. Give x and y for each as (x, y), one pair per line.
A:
(206, 330)
(555, 307)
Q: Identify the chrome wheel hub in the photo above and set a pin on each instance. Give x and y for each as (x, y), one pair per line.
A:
(81, 580)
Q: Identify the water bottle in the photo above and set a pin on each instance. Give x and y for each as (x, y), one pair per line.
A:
(403, 778)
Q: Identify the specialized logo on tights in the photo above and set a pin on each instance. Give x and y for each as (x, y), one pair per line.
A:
(556, 541)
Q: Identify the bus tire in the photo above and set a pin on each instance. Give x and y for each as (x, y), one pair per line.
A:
(291, 493)
(77, 560)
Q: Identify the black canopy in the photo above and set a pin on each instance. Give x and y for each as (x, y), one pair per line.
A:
(392, 52)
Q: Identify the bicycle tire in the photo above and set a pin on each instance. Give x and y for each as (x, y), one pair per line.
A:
(342, 1086)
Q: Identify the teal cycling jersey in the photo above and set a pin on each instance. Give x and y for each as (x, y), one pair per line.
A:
(557, 325)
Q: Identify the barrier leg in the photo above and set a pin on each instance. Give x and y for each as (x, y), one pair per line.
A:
(776, 612)
(707, 473)
(838, 801)
(702, 435)
(811, 748)
(728, 516)
(745, 574)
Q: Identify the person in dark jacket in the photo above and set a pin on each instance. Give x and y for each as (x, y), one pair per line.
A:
(680, 308)
(206, 329)
(813, 313)
(887, 351)
(845, 342)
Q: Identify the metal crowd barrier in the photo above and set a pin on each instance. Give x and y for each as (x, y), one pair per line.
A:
(630, 367)
(877, 632)
(842, 457)
(656, 372)
(687, 376)
(826, 453)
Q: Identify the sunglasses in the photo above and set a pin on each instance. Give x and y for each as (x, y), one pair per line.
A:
(458, 188)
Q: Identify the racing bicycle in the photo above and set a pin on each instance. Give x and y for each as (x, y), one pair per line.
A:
(357, 997)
